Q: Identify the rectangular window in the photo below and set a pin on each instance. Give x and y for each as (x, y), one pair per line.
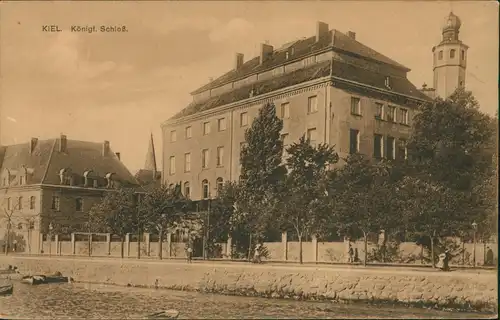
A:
(5, 182)
(391, 114)
(9, 204)
(32, 202)
(243, 119)
(220, 156)
(206, 128)
(187, 162)
(391, 148)
(402, 149)
(221, 124)
(20, 203)
(285, 110)
(173, 136)
(205, 155)
(311, 136)
(404, 116)
(79, 204)
(312, 104)
(355, 106)
(188, 133)
(378, 146)
(55, 203)
(379, 111)
(353, 141)
(172, 165)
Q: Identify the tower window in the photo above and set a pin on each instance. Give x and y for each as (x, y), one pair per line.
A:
(463, 54)
(440, 55)
(452, 53)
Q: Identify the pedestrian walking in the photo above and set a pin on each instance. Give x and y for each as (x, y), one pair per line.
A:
(256, 254)
(356, 255)
(351, 254)
(189, 252)
(489, 257)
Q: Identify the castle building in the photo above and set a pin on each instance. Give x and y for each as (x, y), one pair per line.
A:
(52, 184)
(329, 87)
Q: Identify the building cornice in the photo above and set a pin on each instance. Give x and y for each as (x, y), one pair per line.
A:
(280, 93)
(26, 187)
(245, 103)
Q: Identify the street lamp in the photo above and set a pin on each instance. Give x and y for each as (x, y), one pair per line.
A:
(51, 227)
(474, 227)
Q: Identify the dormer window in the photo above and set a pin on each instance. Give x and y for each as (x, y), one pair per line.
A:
(388, 82)
(22, 180)
(65, 176)
(287, 55)
(86, 176)
(109, 179)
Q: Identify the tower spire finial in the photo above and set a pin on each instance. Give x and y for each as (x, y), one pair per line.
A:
(150, 163)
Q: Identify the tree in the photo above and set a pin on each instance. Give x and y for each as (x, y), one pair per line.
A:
(365, 198)
(115, 214)
(162, 209)
(262, 171)
(304, 208)
(222, 211)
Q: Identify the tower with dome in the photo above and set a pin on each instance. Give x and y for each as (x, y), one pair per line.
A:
(449, 59)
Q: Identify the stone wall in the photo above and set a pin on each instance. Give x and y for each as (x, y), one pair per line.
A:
(473, 290)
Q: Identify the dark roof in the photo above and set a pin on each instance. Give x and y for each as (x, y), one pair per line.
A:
(46, 161)
(145, 177)
(301, 48)
(399, 85)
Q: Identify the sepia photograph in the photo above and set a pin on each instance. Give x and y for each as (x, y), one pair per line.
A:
(249, 159)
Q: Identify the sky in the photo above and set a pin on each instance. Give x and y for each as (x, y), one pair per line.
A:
(121, 86)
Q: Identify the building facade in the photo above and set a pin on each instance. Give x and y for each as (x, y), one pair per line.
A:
(51, 184)
(329, 87)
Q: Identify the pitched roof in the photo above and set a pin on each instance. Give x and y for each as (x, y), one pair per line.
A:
(150, 163)
(337, 40)
(46, 161)
(145, 177)
(399, 85)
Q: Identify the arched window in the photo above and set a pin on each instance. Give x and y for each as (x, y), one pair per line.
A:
(440, 55)
(220, 184)
(32, 202)
(171, 186)
(205, 187)
(452, 53)
(187, 190)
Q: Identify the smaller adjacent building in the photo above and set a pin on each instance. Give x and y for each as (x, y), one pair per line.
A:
(52, 184)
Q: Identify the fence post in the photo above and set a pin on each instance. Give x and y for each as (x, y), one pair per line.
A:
(169, 245)
(284, 242)
(40, 244)
(315, 248)
(73, 243)
(147, 239)
(108, 241)
(229, 247)
(127, 244)
(56, 241)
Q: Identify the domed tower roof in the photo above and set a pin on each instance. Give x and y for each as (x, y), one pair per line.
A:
(451, 22)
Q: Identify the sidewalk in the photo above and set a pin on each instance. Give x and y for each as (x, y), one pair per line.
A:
(370, 268)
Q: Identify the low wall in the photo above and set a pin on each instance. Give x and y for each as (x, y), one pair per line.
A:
(471, 290)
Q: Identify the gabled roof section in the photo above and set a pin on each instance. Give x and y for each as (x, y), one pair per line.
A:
(315, 71)
(336, 40)
(46, 161)
(13, 157)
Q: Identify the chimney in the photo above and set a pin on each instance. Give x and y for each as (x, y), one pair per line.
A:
(321, 30)
(118, 155)
(33, 143)
(238, 61)
(105, 148)
(351, 35)
(63, 143)
(265, 52)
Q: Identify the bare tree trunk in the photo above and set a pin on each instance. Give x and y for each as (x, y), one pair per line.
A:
(300, 248)
(250, 248)
(432, 252)
(365, 239)
(122, 240)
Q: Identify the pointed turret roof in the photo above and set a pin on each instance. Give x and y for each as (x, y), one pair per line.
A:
(150, 163)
